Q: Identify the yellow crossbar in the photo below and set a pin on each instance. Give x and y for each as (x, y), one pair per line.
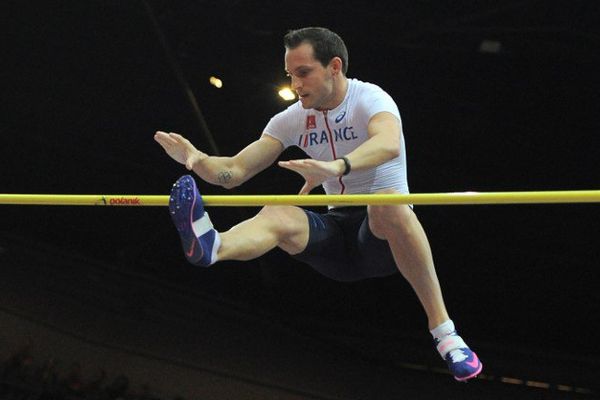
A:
(565, 196)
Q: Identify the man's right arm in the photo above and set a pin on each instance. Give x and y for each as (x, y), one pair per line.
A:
(230, 172)
(223, 171)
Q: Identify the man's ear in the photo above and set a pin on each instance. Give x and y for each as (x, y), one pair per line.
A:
(336, 65)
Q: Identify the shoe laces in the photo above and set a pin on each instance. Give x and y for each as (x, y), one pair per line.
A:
(457, 355)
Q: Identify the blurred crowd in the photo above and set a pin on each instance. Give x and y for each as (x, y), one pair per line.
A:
(21, 378)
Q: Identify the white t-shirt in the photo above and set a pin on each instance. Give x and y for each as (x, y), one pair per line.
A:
(331, 134)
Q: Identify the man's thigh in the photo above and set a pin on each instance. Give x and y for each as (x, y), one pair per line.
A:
(341, 246)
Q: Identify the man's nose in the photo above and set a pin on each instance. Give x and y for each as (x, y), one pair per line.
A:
(296, 83)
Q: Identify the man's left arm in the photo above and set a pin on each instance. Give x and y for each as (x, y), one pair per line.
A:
(383, 144)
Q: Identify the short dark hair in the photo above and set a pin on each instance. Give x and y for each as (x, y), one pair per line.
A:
(325, 43)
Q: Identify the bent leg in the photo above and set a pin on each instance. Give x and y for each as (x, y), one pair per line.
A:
(399, 225)
(274, 226)
(283, 226)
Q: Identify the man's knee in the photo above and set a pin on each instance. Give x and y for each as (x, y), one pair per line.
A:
(290, 224)
(284, 217)
(385, 220)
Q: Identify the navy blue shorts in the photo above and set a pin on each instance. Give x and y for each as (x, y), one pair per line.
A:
(342, 247)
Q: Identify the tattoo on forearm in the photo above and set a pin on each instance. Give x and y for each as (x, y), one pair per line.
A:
(224, 176)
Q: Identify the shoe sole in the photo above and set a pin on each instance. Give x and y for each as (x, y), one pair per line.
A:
(181, 205)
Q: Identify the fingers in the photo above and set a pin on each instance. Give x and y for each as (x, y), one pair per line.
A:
(306, 163)
(170, 141)
(306, 189)
(284, 164)
(164, 139)
(177, 137)
(160, 136)
(293, 165)
(171, 136)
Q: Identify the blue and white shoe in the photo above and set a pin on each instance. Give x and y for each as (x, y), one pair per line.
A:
(462, 362)
(199, 238)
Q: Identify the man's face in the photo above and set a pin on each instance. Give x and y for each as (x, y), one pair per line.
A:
(312, 82)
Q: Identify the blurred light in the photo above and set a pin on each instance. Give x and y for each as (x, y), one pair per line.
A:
(287, 94)
(513, 381)
(542, 385)
(216, 82)
(490, 46)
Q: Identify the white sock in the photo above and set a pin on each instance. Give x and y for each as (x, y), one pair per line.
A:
(201, 227)
(213, 256)
(448, 343)
(444, 329)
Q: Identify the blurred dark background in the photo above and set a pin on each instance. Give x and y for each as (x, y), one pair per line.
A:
(494, 96)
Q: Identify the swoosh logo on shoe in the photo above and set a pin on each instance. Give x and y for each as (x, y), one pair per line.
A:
(191, 251)
(473, 363)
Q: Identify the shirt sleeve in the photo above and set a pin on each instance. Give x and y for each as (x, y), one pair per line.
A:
(282, 127)
(376, 100)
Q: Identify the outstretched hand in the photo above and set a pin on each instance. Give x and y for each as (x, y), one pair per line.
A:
(314, 172)
(179, 148)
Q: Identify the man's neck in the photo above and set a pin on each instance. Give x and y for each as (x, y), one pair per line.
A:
(339, 94)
